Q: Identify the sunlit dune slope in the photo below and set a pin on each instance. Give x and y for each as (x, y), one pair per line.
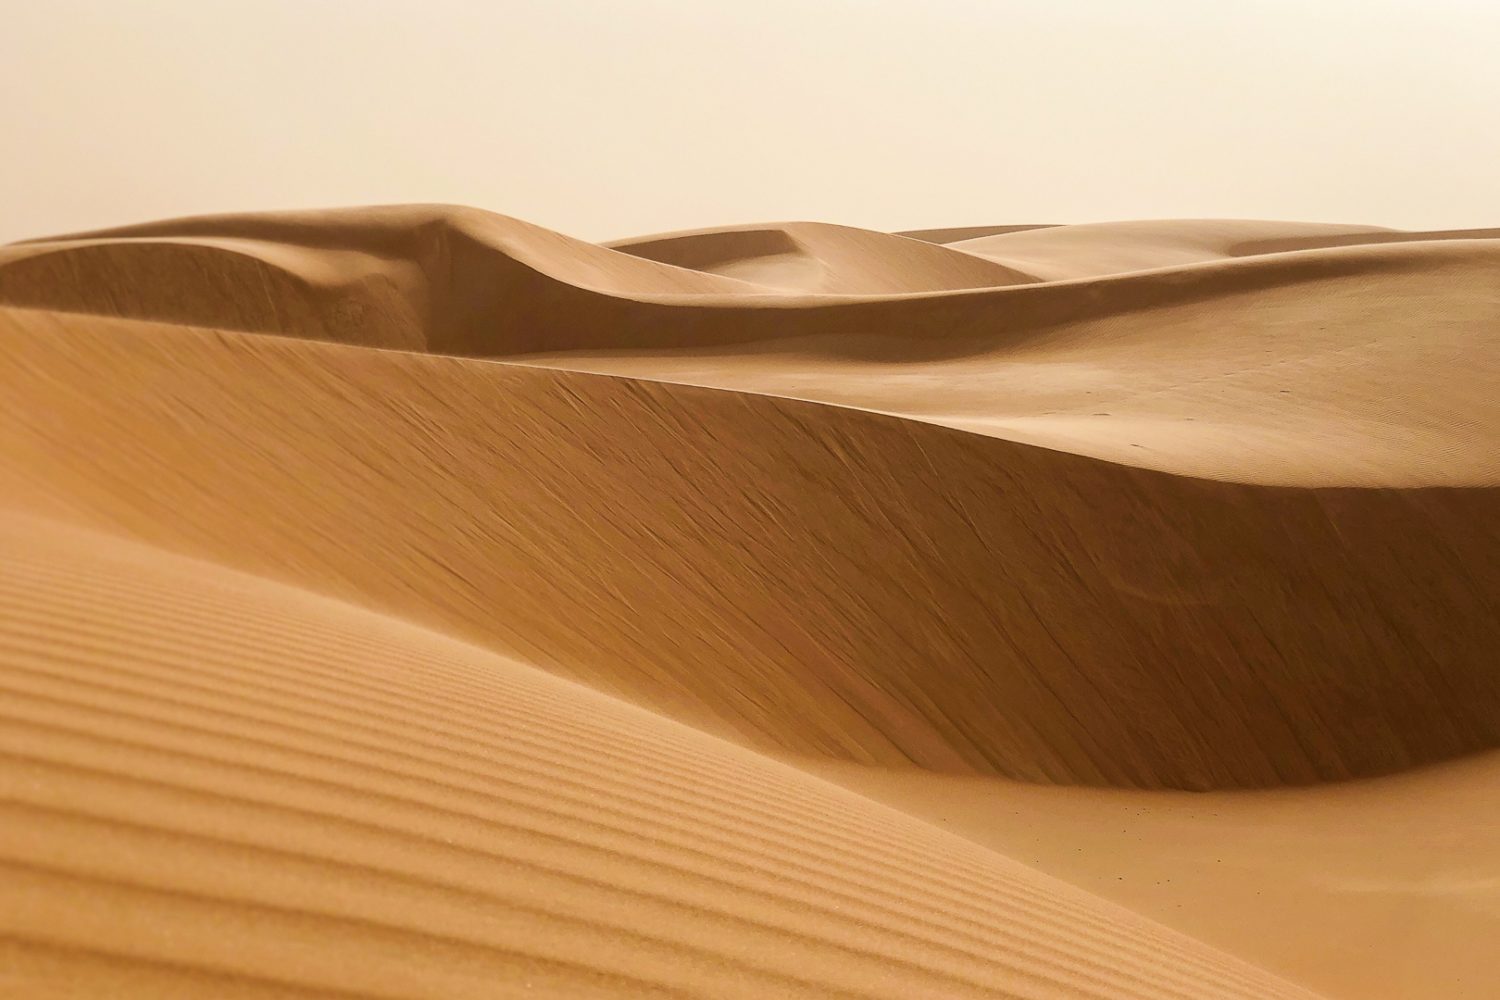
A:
(218, 786)
(813, 578)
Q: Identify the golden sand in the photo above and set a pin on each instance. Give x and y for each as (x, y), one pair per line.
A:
(416, 602)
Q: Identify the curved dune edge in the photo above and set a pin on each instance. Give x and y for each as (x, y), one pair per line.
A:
(1274, 353)
(1097, 249)
(813, 579)
(821, 258)
(215, 784)
(953, 234)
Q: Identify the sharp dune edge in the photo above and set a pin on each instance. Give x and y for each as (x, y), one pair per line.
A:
(1166, 505)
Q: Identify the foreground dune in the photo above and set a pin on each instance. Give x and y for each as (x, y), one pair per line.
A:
(218, 783)
(1195, 505)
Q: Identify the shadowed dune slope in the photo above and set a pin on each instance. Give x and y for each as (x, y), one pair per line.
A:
(214, 785)
(793, 575)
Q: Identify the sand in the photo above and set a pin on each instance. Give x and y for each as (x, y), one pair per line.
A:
(413, 601)
(1378, 888)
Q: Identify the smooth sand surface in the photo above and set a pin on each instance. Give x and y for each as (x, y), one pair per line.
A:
(1380, 888)
(627, 556)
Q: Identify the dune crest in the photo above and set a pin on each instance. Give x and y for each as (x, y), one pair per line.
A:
(816, 257)
(1102, 248)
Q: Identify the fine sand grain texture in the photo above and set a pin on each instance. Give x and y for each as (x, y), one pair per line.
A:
(412, 601)
(212, 779)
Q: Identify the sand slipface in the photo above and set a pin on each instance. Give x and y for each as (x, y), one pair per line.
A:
(1159, 505)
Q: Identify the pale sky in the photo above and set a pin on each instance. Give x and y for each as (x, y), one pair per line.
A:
(608, 118)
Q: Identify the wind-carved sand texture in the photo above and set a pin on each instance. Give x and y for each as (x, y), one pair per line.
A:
(417, 602)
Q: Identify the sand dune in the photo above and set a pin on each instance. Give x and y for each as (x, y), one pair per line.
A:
(1004, 618)
(1198, 505)
(1374, 889)
(214, 779)
(1093, 250)
(1334, 368)
(953, 234)
(814, 257)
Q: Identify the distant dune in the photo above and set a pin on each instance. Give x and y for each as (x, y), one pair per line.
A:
(415, 601)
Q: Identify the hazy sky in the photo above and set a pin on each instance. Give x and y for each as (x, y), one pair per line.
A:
(608, 118)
